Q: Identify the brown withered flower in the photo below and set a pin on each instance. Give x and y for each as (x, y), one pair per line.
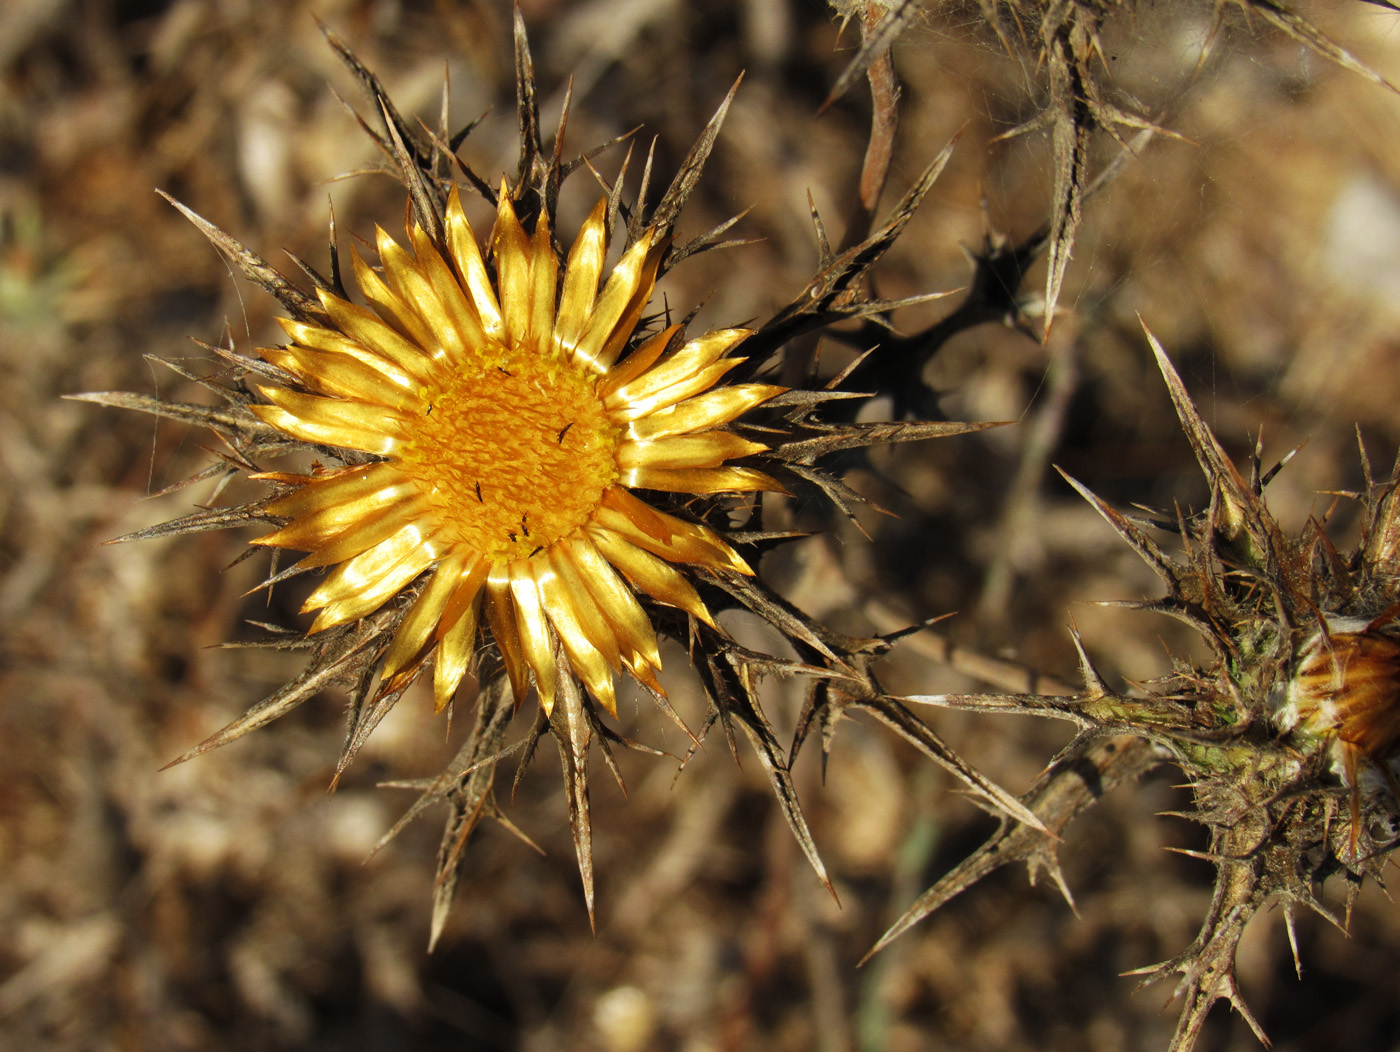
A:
(521, 474)
(1288, 737)
(1345, 695)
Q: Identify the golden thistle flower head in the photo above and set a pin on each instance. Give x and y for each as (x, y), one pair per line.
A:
(511, 416)
(514, 468)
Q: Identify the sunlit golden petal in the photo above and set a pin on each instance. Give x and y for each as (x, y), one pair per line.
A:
(328, 491)
(331, 422)
(622, 331)
(624, 408)
(640, 670)
(720, 406)
(454, 655)
(709, 450)
(585, 659)
(289, 478)
(536, 640)
(627, 282)
(639, 361)
(701, 480)
(544, 277)
(656, 577)
(332, 373)
(460, 328)
(363, 584)
(317, 338)
(326, 505)
(587, 612)
(386, 302)
(683, 365)
(471, 267)
(581, 275)
(500, 615)
(620, 607)
(368, 571)
(367, 531)
(665, 535)
(428, 321)
(598, 678)
(366, 328)
(415, 631)
(464, 598)
(511, 249)
(309, 535)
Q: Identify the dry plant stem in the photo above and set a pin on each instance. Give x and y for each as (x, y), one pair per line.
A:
(1064, 37)
(1069, 42)
(884, 123)
(994, 294)
(1076, 780)
(878, 34)
(996, 672)
(1017, 525)
(1207, 967)
(1307, 34)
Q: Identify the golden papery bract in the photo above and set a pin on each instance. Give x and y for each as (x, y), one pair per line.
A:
(1346, 691)
(1348, 685)
(511, 428)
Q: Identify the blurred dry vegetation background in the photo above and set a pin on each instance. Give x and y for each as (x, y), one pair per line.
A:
(226, 904)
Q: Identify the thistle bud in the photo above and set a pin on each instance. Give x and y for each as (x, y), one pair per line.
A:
(1345, 694)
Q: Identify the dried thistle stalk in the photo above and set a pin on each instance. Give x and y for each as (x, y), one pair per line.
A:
(1287, 738)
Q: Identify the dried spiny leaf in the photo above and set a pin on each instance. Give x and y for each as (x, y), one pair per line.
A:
(1074, 781)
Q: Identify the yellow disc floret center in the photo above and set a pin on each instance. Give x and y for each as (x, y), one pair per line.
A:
(514, 456)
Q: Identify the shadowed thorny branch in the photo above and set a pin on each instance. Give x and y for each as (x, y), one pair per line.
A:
(1273, 769)
(1062, 39)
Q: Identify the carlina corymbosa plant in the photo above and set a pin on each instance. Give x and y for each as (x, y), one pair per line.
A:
(517, 468)
(1289, 737)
